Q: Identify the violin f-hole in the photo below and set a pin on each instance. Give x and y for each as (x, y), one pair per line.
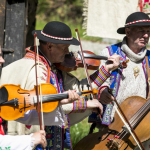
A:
(22, 92)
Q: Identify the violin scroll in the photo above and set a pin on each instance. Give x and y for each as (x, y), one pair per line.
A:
(123, 65)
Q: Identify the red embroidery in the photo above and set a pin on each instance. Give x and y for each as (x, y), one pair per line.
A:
(48, 136)
(28, 126)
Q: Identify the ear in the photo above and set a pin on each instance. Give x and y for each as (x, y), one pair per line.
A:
(49, 46)
(127, 31)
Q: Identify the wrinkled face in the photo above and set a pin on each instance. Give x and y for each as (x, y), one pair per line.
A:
(58, 52)
(138, 36)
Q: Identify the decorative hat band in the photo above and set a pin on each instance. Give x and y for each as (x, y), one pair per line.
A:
(145, 20)
(54, 37)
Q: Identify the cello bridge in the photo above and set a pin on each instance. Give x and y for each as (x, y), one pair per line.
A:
(112, 145)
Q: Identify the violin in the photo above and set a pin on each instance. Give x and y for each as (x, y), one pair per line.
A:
(14, 101)
(73, 61)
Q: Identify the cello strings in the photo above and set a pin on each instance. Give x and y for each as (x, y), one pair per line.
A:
(143, 112)
(125, 132)
(127, 126)
(134, 118)
(133, 121)
(139, 112)
(136, 115)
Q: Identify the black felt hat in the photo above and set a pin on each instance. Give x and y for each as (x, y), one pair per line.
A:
(135, 19)
(56, 32)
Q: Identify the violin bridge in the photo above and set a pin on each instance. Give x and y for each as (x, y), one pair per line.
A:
(112, 145)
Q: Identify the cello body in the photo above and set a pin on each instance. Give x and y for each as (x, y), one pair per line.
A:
(115, 137)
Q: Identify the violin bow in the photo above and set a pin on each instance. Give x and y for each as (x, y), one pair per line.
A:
(38, 86)
(85, 67)
(39, 81)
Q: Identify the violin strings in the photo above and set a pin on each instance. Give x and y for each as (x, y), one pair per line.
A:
(46, 97)
(29, 100)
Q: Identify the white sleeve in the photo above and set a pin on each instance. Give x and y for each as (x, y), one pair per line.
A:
(31, 117)
(21, 142)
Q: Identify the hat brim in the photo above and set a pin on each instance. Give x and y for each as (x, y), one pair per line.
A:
(40, 36)
(122, 29)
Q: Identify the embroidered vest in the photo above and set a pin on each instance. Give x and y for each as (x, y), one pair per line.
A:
(115, 83)
(54, 134)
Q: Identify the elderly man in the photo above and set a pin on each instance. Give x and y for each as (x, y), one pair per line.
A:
(131, 81)
(55, 39)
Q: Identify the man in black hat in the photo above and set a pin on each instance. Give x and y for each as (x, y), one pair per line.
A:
(131, 81)
(54, 40)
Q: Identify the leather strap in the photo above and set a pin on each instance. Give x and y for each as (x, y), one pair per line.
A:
(148, 75)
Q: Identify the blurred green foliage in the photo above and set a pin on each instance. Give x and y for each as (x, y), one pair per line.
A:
(67, 11)
(79, 131)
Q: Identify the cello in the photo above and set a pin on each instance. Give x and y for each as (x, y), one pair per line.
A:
(136, 139)
(116, 136)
